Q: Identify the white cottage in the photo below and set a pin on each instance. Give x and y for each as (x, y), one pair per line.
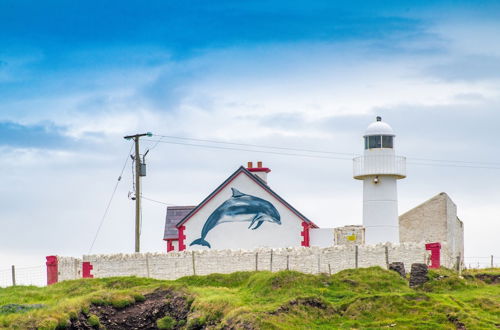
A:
(242, 213)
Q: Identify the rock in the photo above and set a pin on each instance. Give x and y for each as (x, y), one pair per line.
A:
(418, 274)
(398, 267)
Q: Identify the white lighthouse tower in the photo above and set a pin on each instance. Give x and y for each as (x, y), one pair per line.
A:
(380, 168)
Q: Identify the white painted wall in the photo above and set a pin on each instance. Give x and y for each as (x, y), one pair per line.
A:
(380, 210)
(237, 235)
(321, 237)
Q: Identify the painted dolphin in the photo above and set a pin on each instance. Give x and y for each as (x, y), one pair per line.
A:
(239, 208)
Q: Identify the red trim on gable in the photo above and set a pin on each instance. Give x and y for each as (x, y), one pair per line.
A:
(305, 234)
(256, 180)
(435, 249)
(182, 237)
(259, 169)
(86, 268)
(170, 246)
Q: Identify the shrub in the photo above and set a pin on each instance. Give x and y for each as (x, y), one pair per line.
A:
(139, 297)
(166, 323)
(94, 321)
(122, 302)
(48, 324)
(196, 323)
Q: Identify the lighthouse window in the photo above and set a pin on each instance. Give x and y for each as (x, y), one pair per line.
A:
(387, 141)
(374, 142)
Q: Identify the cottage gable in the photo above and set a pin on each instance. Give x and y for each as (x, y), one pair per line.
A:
(243, 213)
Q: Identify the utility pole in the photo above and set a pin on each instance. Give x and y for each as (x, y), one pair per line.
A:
(137, 159)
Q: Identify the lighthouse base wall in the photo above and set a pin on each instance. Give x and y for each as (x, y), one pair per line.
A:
(375, 235)
(380, 210)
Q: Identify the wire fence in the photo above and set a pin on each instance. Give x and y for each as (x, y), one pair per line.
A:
(37, 275)
(481, 262)
(34, 275)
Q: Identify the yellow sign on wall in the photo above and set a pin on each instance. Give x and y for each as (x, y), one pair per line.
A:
(351, 237)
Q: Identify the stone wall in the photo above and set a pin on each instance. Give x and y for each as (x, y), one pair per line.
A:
(68, 268)
(307, 260)
(349, 235)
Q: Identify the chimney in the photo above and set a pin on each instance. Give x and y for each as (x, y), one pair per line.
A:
(259, 171)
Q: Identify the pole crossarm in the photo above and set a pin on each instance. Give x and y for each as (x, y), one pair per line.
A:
(135, 136)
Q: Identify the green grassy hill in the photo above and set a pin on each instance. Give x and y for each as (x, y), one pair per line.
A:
(358, 298)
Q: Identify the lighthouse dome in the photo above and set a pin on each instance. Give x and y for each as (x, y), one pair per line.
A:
(379, 128)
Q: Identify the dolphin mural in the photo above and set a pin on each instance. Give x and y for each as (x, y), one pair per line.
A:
(239, 208)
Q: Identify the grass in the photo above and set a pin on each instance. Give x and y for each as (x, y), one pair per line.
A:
(367, 298)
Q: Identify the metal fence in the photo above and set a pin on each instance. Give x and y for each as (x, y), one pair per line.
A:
(481, 262)
(34, 275)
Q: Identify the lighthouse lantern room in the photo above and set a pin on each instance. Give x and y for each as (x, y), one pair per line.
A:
(380, 168)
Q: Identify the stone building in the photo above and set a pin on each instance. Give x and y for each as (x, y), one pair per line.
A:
(435, 221)
(349, 235)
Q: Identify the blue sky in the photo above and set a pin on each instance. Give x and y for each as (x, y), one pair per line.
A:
(75, 77)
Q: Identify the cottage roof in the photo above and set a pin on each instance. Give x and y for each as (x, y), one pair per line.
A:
(174, 215)
(259, 181)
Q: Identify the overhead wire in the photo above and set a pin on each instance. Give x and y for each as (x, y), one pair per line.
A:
(156, 143)
(156, 201)
(110, 199)
(313, 150)
(251, 150)
(412, 161)
(254, 145)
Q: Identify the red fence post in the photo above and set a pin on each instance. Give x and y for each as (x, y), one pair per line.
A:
(52, 270)
(435, 249)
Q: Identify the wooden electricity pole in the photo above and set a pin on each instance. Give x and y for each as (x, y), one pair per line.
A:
(137, 159)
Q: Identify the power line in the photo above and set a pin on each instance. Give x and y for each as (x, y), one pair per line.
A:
(250, 150)
(318, 156)
(454, 161)
(454, 165)
(255, 145)
(494, 164)
(111, 199)
(156, 143)
(156, 201)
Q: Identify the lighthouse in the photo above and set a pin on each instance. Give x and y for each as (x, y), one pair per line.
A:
(379, 168)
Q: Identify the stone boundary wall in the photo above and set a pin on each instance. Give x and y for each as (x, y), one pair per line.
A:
(68, 268)
(174, 265)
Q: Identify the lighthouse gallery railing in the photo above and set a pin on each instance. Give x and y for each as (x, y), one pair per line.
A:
(379, 165)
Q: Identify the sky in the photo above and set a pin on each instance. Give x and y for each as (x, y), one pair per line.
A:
(75, 77)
